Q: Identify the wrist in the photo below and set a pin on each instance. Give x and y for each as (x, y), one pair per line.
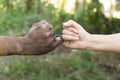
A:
(25, 45)
(95, 42)
(19, 45)
(91, 42)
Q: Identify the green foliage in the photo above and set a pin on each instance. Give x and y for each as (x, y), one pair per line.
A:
(17, 17)
(78, 66)
(17, 20)
(118, 5)
(92, 18)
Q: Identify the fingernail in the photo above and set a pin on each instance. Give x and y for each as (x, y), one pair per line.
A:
(77, 38)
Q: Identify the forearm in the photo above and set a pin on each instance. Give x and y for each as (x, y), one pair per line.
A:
(10, 45)
(110, 43)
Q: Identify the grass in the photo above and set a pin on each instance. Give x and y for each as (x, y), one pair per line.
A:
(77, 66)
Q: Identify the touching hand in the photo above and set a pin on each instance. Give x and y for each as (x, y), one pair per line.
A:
(40, 39)
(74, 35)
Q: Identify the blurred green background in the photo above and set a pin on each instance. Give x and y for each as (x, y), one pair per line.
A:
(96, 16)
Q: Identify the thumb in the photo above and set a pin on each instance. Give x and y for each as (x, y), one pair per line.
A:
(58, 40)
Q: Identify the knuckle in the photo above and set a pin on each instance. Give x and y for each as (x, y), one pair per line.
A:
(37, 27)
(43, 27)
(46, 34)
(63, 32)
(49, 34)
(71, 21)
(50, 26)
(43, 21)
(72, 34)
(63, 36)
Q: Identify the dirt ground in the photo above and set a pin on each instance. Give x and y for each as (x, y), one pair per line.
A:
(109, 64)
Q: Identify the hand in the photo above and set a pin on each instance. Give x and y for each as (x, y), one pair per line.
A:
(40, 39)
(74, 35)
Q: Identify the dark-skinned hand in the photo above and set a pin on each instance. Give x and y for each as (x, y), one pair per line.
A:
(39, 40)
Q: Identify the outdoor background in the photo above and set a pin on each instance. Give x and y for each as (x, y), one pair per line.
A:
(96, 16)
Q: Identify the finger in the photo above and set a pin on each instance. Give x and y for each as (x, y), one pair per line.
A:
(73, 24)
(67, 32)
(58, 39)
(68, 37)
(72, 30)
(40, 23)
(49, 33)
(57, 42)
(49, 26)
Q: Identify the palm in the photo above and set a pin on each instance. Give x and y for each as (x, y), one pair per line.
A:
(70, 44)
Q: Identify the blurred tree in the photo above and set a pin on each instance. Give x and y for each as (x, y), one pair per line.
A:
(20, 14)
(29, 5)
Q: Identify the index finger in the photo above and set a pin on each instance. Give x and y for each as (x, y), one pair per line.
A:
(73, 24)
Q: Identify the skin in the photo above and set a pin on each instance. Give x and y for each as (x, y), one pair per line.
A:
(75, 36)
(39, 40)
